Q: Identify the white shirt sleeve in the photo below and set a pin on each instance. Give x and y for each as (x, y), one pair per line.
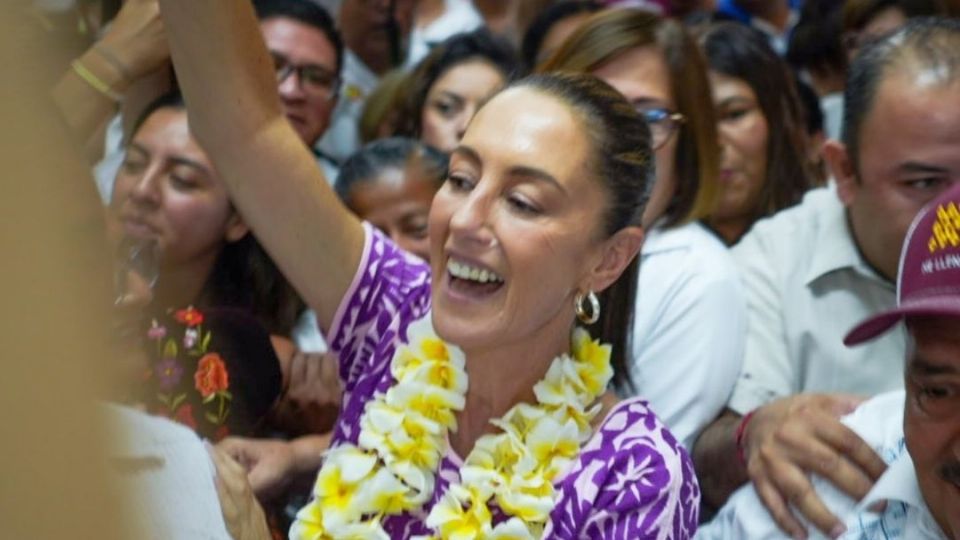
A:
(767, 372)
(689, 333)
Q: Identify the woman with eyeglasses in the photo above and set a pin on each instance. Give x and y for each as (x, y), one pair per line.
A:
(689, 327)
(764, 149)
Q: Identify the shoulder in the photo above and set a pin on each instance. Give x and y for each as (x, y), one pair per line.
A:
(687, 254)
(799, 224)
(633, 480)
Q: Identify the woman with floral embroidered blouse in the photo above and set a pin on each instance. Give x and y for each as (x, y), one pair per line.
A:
(472, 402)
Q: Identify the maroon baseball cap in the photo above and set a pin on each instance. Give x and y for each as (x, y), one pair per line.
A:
(928, 282)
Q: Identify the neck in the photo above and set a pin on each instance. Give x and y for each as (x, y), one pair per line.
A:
(429, 11)
(775, 13)
(491, 394)
(182, 286)
(729, 230)
(496, 14)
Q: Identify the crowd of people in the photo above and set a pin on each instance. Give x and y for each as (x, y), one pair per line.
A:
(540, 269)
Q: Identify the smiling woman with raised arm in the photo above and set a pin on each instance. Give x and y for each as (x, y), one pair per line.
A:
(473, 403)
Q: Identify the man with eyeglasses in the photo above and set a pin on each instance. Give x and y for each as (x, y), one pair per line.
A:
(811, 271)
(307, 53)
(376, 37)
(916, 431)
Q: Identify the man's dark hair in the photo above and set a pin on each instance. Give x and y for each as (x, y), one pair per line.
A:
(928, 44)
(816, 42)
(306, 12)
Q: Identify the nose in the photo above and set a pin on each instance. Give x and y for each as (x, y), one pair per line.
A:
(290, 87)
(146, 190)
(471, 220)
(464, 120)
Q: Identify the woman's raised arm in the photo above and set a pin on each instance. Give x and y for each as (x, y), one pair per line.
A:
(230, 89)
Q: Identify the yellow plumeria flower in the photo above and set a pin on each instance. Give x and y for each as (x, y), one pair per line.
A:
(369, 530)
(450, 518)
(309, 524)
(561, 384)
(336, 486)
(553, 445)
(513, 529)
(530, 498)
(385, 494)
(593, 361)
(435, 404)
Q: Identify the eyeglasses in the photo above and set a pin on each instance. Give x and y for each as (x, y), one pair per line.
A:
(663, 122)
(315, 80)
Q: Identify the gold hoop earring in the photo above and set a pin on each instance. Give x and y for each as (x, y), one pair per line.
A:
(587, 316)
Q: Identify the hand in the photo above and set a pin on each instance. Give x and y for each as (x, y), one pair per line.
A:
(312, 400)
(242, 513)
(136, 38)
(792, 437)
(271, 465)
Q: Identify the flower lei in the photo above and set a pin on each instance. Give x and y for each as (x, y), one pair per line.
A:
(404, 436)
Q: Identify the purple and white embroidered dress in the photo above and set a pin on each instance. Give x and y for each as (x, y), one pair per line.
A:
(632, 479)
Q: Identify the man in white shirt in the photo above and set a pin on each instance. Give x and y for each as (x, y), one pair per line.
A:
(811, 271)
(376, 34)
(917, 431)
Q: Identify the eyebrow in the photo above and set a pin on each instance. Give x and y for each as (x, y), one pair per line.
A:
(920, 366)
(735, 99)
(649, 102)
(190, 163)
(917, 167)
(524, 171)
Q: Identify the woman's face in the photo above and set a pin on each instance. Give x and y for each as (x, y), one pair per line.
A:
(397, 202)
(453, 100)
(515, 230)
(643, 77)
(743, 133)
(167, 190)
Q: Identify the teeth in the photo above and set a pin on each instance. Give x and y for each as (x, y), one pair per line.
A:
(472, 273)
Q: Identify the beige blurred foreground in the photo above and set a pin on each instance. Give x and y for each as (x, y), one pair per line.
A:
(53, 285)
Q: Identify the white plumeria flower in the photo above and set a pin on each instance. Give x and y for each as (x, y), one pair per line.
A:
(512, 529)
(384, 494)
(370, 530)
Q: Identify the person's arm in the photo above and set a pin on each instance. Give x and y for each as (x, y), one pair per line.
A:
(133, 47)
(273, 465)
(230, 88)
(782, 443)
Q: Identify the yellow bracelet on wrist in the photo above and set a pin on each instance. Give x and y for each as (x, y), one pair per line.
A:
(95, 81)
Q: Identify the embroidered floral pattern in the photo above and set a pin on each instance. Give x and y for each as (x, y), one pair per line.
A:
(211, 378)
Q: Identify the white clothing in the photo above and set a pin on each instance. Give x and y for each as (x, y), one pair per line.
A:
(105, 172)
(166, 476)
(458, 16)
(342, 138)
(689, 328)
(306, 335)
(806, 285)
(879, 422)
(832, 107)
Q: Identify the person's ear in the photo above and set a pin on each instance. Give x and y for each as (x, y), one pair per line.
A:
(843, 170)
(616, 254)
(236, 228)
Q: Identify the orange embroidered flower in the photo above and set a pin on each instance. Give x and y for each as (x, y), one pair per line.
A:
(211, 376)
(190, 316)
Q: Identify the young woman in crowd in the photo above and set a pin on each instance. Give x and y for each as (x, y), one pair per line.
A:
(448, 86)
(391, 183)
(690, 316)
(765, 161)
(540, 213)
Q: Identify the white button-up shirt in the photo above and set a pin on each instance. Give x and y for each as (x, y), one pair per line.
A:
(879, 422)
(806, 285)
(342, 138)
(689, 328)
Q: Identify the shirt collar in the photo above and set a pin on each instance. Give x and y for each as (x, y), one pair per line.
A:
(899, 484)
(834, 247)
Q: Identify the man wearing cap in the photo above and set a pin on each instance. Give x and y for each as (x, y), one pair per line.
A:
(916, 431)
(812, 271)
